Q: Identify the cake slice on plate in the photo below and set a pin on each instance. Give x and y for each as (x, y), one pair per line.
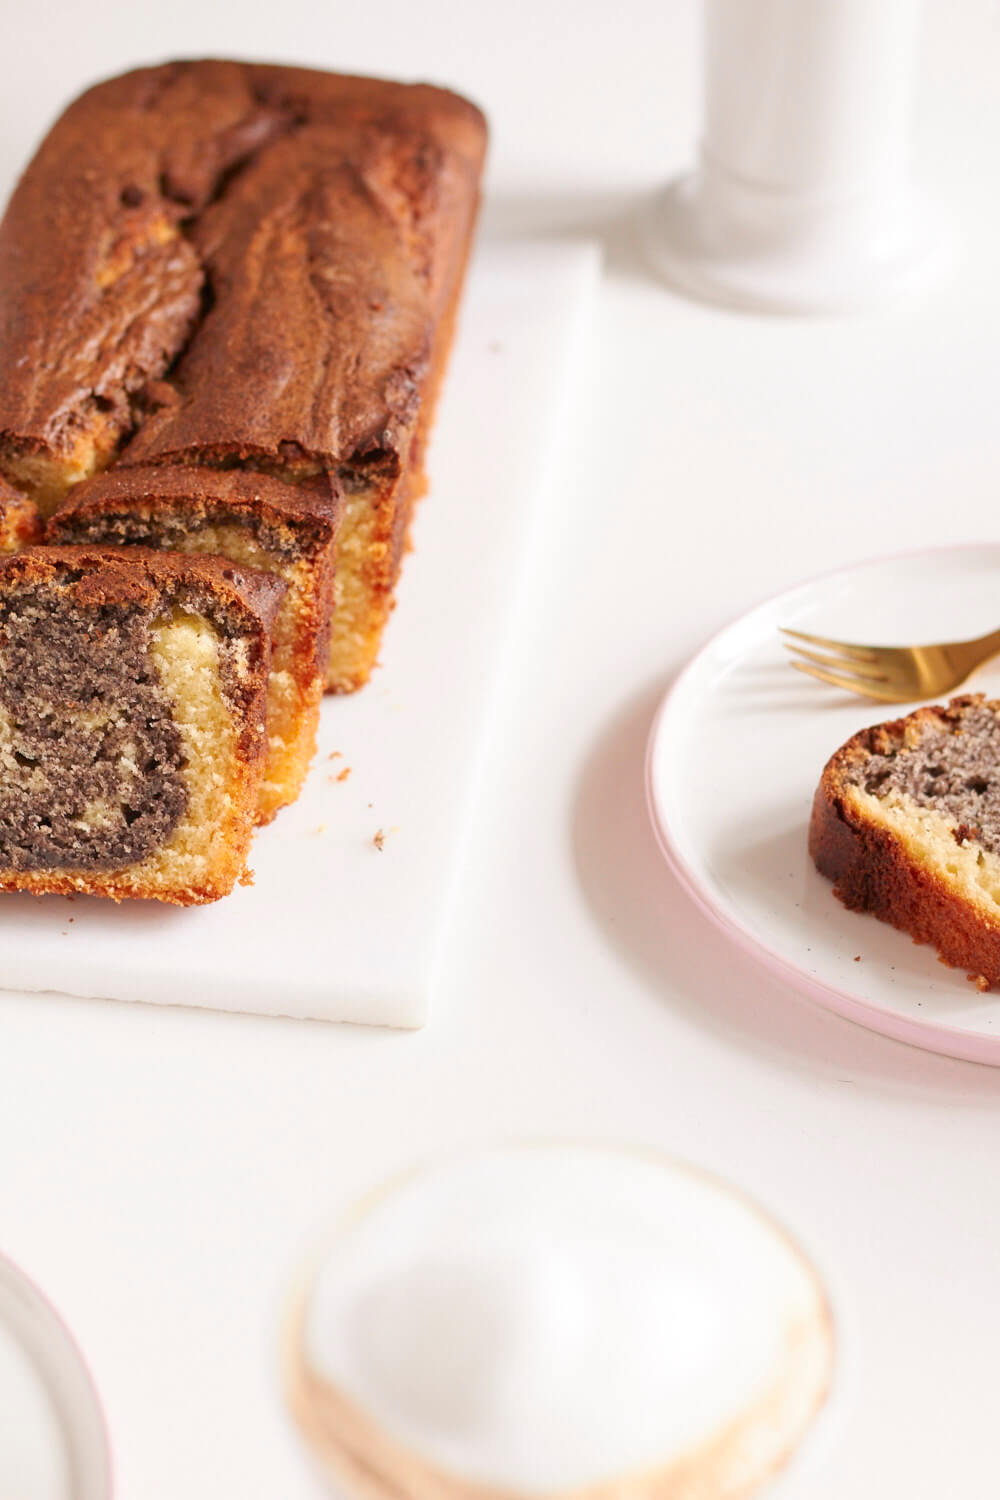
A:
(906, 823)
(132, 721)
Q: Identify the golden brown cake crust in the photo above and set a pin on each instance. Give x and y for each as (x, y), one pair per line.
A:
(292, 235)
(121, 888)
(20, 523)
(871, 870)
(140, 575)
(312, 506)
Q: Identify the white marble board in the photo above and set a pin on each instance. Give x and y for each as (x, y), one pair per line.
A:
(335, 927)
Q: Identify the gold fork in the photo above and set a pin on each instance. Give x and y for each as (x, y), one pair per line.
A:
(893, 674)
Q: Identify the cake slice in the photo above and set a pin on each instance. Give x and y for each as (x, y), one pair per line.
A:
(132, 730)
(20, 523)
(906, 823)
(256, 521)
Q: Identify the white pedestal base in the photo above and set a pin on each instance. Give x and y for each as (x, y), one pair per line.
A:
(802, 199)
(742, 247)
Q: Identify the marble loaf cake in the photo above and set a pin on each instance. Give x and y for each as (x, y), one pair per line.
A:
(132, 720)
(233, 265)
(227, 293)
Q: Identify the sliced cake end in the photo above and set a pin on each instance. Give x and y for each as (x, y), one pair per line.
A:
(132, 721)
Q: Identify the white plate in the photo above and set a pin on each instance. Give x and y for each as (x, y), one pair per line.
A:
(540, 1319)
(734, 758)
(53, 1444)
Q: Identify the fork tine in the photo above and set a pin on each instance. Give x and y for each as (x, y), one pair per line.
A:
(850, 684)
(843, 648)
(858, 669)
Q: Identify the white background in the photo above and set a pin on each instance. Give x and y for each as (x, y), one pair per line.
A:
(162, 1171)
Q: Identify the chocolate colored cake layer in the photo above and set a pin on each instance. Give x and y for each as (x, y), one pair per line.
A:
(953, 767)
(132, 691)
(61, 668)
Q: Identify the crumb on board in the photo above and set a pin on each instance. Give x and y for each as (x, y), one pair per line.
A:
(857, 958)
(379, 839)
(980, 981)
(335, 755)
(321, 828)
(343, 775)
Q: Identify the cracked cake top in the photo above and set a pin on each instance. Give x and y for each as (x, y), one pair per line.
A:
(240, 261)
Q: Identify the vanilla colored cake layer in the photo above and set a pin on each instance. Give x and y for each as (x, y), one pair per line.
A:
(257, 522)
(906, 822)
(132, 721)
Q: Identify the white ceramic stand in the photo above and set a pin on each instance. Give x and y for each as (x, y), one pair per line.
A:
(802, 200)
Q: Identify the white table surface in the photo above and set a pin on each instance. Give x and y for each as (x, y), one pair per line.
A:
(161, 1171)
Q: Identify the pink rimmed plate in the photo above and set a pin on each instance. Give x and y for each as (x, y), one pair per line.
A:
(734, 757)
(53, 1442)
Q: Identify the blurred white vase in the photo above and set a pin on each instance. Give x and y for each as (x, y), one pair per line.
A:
(802, 200)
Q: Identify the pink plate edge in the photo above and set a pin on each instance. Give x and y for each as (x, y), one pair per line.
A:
(16, 1273)
(929, 1036)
